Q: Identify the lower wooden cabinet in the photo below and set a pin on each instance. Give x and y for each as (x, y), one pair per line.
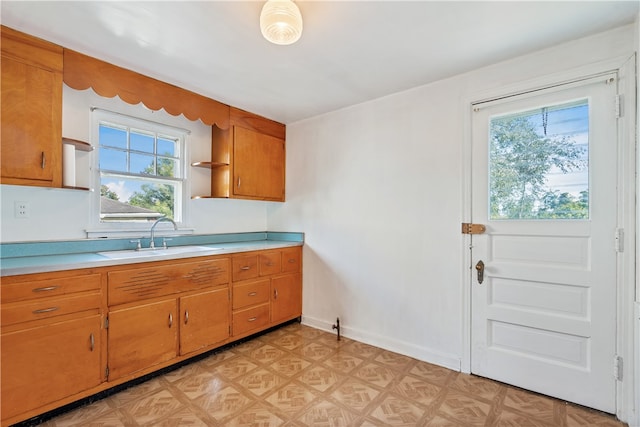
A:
(47, 363)
(286, 297)
(142, 336)
(273, 295)
(204, 320)
(149, 334)
(67, 335)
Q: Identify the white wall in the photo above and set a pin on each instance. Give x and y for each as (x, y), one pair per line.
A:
(60, 214)
(378, 190)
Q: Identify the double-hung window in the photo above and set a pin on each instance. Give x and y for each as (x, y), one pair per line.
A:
(140, 172)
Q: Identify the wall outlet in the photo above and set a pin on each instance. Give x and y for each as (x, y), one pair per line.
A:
(21, 209)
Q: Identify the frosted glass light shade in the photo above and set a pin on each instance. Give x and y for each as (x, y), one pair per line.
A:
(281, 22)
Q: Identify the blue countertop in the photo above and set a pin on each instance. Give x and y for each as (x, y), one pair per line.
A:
(39, 257)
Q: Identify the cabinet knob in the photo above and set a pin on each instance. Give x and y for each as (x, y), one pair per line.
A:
(44, 160)
(170, 319)
(275, 294)
(245, 268)
(252, 294)
(186, 317)
(252, 319)
(92, 340)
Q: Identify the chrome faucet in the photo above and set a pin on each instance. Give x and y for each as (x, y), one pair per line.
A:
(152, 244)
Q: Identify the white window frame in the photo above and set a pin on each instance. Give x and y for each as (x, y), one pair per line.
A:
(99, 228)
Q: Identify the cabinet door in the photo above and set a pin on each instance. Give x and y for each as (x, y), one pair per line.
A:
(258, 165)
(286, 297)
(204, 319)
(31, 125)
(142, 336)
(47, 363)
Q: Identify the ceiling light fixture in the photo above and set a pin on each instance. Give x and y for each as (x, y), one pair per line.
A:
(281, 22)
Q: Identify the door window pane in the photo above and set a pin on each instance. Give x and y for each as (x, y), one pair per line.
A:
(539, 163)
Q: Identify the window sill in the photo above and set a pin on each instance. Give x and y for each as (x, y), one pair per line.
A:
(137, 233)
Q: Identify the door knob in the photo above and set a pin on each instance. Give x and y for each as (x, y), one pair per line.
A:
(480, 270)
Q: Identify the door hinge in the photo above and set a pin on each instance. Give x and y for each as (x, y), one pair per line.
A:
(618, 107)
(106, 372)
(617, 367)
(469, 228)
(620, 240)
(106, 322)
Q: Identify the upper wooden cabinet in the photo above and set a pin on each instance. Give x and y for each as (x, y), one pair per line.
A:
(248, 151)
(248, 159)
(31, 110)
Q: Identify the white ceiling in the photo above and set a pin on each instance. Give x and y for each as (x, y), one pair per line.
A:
(350, 51)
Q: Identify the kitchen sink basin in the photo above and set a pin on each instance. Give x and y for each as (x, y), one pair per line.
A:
(159, 252)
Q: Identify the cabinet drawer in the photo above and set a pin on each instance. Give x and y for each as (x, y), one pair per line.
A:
(12, 292)
(250, 294)
(291, 260)
(149, 282)
(250, 319)
(245, 267)
(50, 307)
(270, 263)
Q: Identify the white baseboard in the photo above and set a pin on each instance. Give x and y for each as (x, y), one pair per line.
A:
(449, 361)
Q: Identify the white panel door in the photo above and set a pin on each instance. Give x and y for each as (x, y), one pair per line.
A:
(544, 184)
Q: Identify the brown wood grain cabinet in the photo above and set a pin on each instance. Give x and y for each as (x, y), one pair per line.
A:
(250, 158)
(49, 362)
(273, 292)
(160, 311)
(248, 151)
(31, 121)
(71, 334)
(142, 336)
(51, 339)
(204, 319)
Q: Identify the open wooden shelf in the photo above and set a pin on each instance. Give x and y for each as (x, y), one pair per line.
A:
(80, 145)
(208, 165)
(68, 187)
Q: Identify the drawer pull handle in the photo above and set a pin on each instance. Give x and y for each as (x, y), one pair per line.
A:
(252, 319)
(170, 319)
(292, 261)
(45, 289)
(275, 294)
(252, 294)
(269, 264)
(245, 268)
(186, 317)
(44, 160)
(45, 310)
(93, 341)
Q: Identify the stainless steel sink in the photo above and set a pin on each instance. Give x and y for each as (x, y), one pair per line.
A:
(160, 252)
